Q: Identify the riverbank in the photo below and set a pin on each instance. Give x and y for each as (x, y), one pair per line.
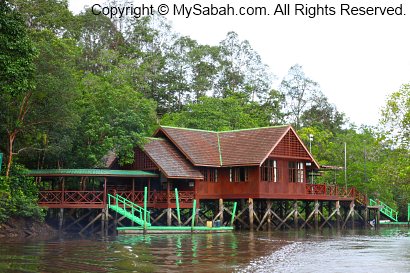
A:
(19, 227)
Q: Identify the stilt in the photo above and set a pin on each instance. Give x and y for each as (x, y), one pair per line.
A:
(295, 214)
(316, 212)
(221, 211)
(169, 216)
(61, 220)
(352, 205)
(338, 216)
(250, 213)
(269, 207)
(378, 218)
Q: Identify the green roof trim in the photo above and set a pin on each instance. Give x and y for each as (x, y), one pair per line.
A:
(90, 172)
(219, 149)
(188, 129)
(227, 131)
(253, 129)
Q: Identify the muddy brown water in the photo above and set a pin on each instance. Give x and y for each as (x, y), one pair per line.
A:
(384, 250)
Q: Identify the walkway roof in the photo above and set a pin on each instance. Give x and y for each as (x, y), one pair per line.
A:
(90, 172)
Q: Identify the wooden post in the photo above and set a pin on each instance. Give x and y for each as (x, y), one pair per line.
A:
(169, 215)
(352, 212)
(133, 190)
(105, 191)
(366, 216)
(295, 214)
(378, 217)
(250, 200)
(338, 214)
(149, 188)
(316, 214)
(268, 207)
(221, 211)
(60, 220)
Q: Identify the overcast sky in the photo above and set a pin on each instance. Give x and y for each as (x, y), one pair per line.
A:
(357, 60)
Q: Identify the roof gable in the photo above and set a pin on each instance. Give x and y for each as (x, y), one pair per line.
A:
(169, 160)
(249, 147)
(290, 145)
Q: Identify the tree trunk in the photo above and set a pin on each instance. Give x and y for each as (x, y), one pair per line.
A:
(11, 137)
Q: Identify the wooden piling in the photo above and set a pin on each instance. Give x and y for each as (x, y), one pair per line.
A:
(221, 210)
(250, 208)
(61, 220)
(316, 213)
(295, 214)
(169, 216)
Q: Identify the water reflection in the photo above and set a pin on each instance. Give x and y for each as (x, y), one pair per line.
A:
(384, 250)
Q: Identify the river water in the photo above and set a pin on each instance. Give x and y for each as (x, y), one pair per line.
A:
(384, 250)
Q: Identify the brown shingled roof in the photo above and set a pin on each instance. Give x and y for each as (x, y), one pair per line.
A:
(170, 161)
(250, 146)
(199, 146)
(230, 148)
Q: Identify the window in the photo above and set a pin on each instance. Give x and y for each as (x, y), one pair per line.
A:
(296, 172)
(269, 171)
(210, 174)
(238, 174)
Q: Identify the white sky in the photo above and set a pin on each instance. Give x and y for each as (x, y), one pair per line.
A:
(357, 60)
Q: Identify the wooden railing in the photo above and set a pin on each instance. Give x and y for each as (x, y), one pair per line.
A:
(336, 191)
(71, 197)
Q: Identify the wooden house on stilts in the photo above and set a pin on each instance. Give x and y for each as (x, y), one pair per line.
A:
(266, 170)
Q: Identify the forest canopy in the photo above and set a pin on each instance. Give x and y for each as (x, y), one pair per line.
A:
(73, 87)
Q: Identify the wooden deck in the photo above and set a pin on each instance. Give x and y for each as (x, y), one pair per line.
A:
(166, 199)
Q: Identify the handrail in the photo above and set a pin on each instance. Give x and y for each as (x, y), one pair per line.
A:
(408, 212)
(385, 209)
(127, 204)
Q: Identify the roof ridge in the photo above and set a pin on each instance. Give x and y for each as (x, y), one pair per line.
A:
(225, 131)
(188, 129)
(155, 138)
(255, 128)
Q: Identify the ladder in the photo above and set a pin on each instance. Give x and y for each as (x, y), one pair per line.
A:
(129, 209)
(385, 209)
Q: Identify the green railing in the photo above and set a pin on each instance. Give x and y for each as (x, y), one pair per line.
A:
(408, 212)
(385, 209)
(129, 209)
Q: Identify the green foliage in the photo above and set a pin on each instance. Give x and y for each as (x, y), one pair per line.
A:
(219, 114)
(19, 195)
(113, 117)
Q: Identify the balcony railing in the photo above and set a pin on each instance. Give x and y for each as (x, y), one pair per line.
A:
(336, 191)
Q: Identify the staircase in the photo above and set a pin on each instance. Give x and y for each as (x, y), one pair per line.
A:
(385, 209)
(129, 209)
